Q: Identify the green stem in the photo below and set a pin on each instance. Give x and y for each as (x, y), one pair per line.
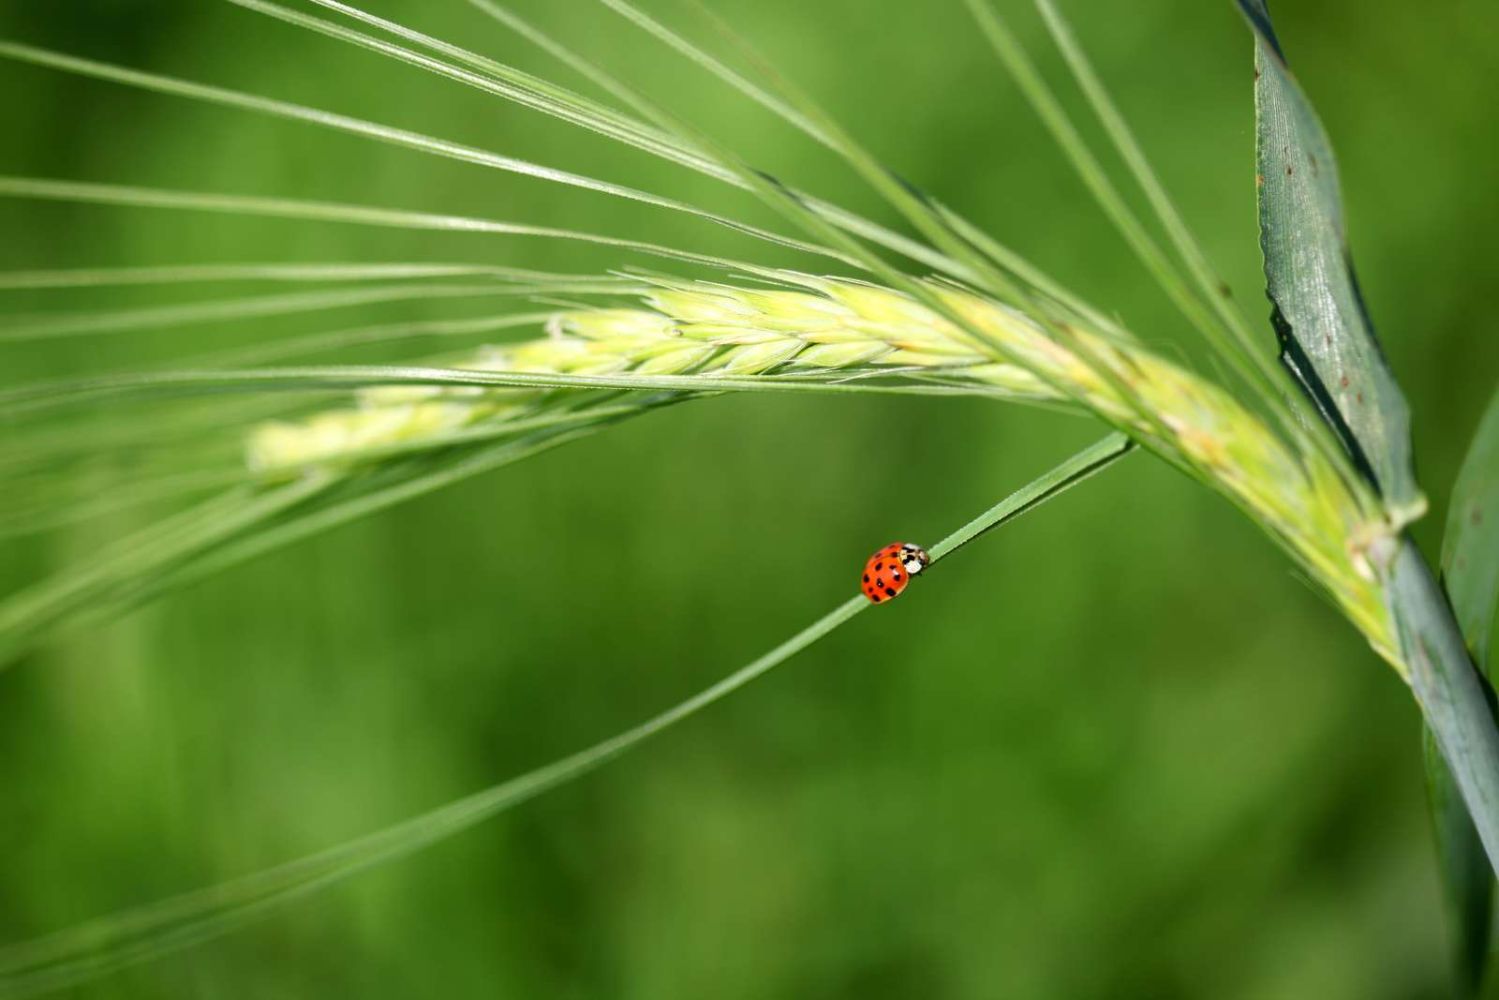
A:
(1447, 686)
(1466, 873)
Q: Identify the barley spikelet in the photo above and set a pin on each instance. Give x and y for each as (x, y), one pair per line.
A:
(835, 326)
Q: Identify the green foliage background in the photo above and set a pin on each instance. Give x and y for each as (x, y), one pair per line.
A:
(1115, 750)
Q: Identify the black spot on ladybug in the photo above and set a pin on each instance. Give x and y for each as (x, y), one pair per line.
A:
(894, 576)
(866, 577)
(889, 592)
(875, 598)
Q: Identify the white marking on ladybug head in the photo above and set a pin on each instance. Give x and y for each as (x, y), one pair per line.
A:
(913, 565)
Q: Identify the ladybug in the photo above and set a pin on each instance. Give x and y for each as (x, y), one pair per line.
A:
(889, 570)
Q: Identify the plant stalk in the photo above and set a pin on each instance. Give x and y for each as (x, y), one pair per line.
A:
(1448, 688)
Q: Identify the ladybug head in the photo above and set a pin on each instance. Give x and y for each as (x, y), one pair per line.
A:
(914, 558)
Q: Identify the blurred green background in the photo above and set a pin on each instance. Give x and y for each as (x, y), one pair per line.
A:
(1115, 750)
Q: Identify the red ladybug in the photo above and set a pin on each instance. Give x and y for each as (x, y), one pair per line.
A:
(890, 569)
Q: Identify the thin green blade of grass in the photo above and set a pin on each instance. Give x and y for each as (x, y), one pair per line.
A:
(380, 333)
(491, 76)
(178, 274)
(1012, 55)
(1470, 576)
(81, 192)
(1327, 340)
(787, 111)
(98, 948)
(23, 329)
(1090, 170)
(1210, 286)
(543, 96)
(1231, 335)
(795, 107)
(801, 112)
(387, 134)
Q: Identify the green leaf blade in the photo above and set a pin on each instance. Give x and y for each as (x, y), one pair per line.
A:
(1470, 547)
(1326, 338)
